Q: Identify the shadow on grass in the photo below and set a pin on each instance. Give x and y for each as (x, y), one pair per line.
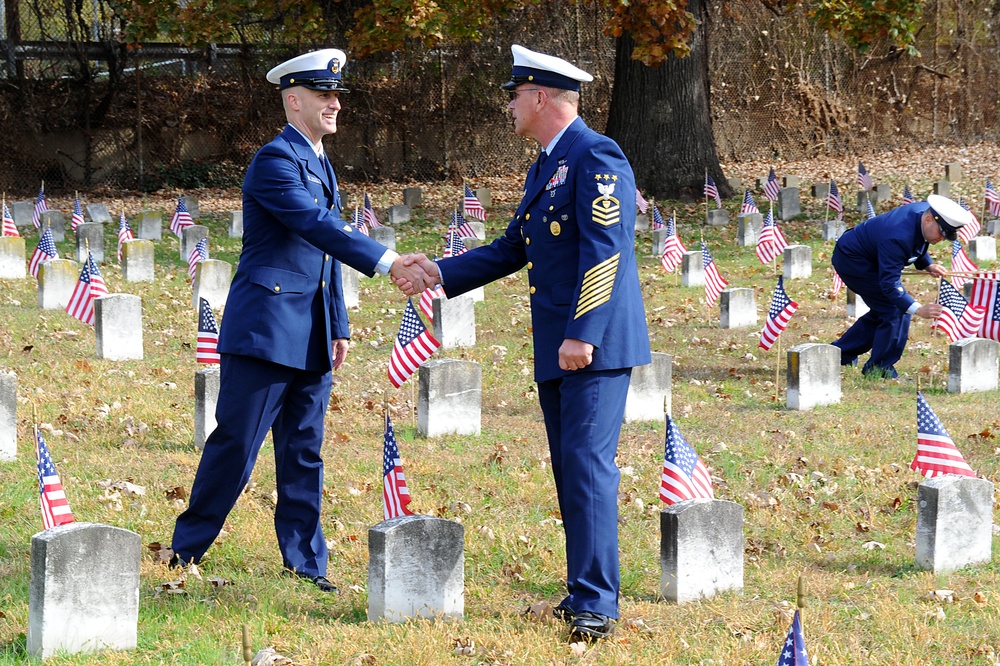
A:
(886, 569)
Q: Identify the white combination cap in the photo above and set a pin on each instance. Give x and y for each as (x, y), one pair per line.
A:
(949, 215)
(318, 70)
(545, 70)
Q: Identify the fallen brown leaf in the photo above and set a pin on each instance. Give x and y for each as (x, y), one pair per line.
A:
(540, 611)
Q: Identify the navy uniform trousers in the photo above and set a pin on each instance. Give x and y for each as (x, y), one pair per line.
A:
(290, 403)
(574, 230)
(883, 330)
(583, 420)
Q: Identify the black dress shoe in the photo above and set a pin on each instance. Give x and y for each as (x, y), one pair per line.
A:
(177, 563)
(323, 584)
(563, 612)
(590, 626)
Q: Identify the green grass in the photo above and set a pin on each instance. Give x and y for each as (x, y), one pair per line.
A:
(816, 486)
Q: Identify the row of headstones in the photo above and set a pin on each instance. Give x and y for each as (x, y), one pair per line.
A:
(150, 223)
(137, 254)
(980, 248)
(138, 265)
(84, 591)
(797, 264)
(789, 206)
(118, 317)
(148, 226)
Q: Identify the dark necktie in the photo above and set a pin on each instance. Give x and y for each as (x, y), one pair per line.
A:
(541, 164)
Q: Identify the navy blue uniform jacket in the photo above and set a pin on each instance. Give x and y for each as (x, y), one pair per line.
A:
(575, 231)
(286, 304)
(872, 255)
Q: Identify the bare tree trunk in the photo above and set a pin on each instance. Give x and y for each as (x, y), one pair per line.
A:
(661, 118)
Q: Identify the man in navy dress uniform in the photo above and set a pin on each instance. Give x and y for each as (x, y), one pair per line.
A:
(285, 327)
(574, 230)
(870, 259)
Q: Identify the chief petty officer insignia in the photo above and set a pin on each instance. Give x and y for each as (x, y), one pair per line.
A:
(606, 208)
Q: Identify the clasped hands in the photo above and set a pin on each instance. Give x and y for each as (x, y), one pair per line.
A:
(413, 273)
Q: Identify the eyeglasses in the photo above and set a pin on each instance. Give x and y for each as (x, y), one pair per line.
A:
(513, 93)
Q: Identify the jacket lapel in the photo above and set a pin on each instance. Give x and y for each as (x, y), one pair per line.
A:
(309, 159)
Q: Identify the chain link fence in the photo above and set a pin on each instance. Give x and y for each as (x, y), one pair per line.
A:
(82, 111)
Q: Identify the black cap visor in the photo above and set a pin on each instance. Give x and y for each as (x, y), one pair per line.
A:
(948, 231)
(326, 85)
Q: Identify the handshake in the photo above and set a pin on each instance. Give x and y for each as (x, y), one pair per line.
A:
(413, 273)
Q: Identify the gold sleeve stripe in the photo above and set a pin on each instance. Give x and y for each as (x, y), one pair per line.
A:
(596, 287)
(606, 211)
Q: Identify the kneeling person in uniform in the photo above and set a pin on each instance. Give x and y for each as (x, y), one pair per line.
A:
(870, 259)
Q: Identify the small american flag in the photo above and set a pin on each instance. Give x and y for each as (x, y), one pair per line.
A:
(780, 242)
(199, 253)
(45, 250)
(833, 201)
(369, 214)
(958, 319)
(970, 230)
(426, 302)
(40, 207)
(640, 202)
(864, 178)
(460, 227)
(414, 345)
(772, 187)
(77, 218)
(473, 207)
(907, 195)
(992, 199)
(673, 248)
(358, 220)
(986, 295)
(960, 263)
(936, 452)
(838, 284)
(684, 475)
(395, 494)
(793, 652)
(181, 218)
(749, 205)
(55, 508)
(124, 234)
(871, 208)
(714, 284)
(765, 242)
(781, 311)
(454, 245)
(208, 334)
(9, 228)
(771, 242)
(711, 191)
(88, 288)
(658, 222)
